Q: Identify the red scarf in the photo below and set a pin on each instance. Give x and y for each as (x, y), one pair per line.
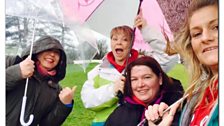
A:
(43, 71)
(111, 59)
(139, 101)
(202, 112)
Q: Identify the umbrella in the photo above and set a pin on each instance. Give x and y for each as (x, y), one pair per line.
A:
(168, 18)
(111, 13)
(102, 15)
(50, 18)
(174, 12)
(50, 11)
(80, 10)
(165, 15)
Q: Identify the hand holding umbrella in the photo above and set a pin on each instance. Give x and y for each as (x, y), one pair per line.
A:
(27, 69)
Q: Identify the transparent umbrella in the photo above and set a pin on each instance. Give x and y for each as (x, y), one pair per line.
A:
(48, 17)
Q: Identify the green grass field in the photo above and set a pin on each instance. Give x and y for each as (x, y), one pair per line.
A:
(75, 76)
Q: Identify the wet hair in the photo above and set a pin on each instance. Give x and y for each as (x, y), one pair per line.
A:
(128, 31)
(152, 64)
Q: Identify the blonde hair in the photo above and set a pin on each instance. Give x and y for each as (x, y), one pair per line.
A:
(182, 41)
(170, 50)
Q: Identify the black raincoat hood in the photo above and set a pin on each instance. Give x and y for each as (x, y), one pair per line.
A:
(47, 43)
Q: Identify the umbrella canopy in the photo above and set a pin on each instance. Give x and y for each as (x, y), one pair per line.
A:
(49, 18)
(102, 15)
(168, 18)
(79, 10)
(174, 12)
(164, 15)
(112, 13)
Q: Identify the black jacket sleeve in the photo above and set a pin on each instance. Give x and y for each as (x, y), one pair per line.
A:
(57, 115)
(13, 72)
(174, 93)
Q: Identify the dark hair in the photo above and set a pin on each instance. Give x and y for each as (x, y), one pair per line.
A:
(151, 63)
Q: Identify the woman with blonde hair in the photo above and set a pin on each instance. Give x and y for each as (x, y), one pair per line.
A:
(197, 43)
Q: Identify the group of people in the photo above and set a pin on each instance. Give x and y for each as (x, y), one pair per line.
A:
(147, 91)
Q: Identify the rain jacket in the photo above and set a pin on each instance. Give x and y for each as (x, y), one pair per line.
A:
(42, 92)
(186, 114)
(97, 93)
(130, 113)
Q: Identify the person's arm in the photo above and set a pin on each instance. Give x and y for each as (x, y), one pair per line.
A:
(157, 43)
(13, 72)
(57, 115)
(16, 70)
(61, 109)
(98, 93)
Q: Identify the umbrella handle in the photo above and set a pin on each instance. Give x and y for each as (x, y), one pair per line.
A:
(23, 123)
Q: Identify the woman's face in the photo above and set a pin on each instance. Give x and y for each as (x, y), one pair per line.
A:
(204, 35)
(49, 59)
(120, 44)
(145, 83)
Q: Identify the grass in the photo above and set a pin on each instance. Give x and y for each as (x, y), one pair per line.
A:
(179, 72)
(79, 115)
(75, 76)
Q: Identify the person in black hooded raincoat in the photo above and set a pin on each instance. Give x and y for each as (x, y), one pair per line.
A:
(46, 100)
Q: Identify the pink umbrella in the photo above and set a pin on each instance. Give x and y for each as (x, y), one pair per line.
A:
(165, 15)
(103, 15)
(79, 10)
(157, 20)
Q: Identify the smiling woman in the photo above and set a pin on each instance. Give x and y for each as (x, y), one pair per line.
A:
(204, 35)
(197, 42)
(200, 53)
(48, 59)
(46, 100)
(145, 84)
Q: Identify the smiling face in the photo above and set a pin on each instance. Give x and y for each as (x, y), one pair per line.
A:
(145, 83)
(204, 35)
(49, 59)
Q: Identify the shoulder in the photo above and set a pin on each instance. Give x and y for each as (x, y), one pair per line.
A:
(126, 114)
(12, 60)
(173, 92)
(175, 85)
(128, 110)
